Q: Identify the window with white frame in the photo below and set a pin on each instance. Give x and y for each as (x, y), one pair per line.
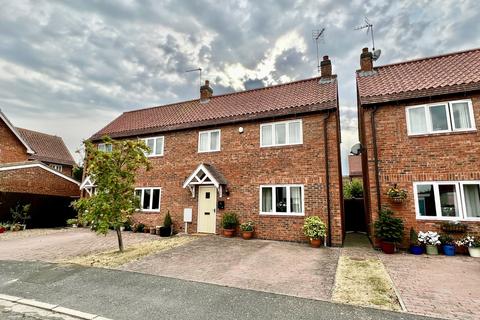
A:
(156, 145)
(440, 117)
(281, 200)
(56, 167)
(447, 200)
(105, 147)
(149, 199)
(209, 141)
(281, 133)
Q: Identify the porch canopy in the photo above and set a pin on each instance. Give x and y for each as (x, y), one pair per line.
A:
(205, 174)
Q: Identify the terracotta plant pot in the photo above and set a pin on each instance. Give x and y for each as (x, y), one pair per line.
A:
(388, 247)
(2, 229)
(229, 233)
(146, 230)
(315, 243)
(247, 235)
(153, 230)
(474, 252)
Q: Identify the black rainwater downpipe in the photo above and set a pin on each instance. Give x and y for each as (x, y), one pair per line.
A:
(375, 155)
(327, 178)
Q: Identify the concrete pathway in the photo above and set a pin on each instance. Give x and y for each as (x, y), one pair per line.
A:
(128, 295)
(270, 266)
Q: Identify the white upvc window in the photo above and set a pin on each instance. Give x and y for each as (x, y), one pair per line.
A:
(149, 198)
(447, 200)
(57, 167)
(105, 147)
(156, 145)
(281, 133)
(452, 116)
(209, 141)
(282, 200)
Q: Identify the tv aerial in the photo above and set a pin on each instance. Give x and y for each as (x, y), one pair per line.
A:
(369, 26)
(317, 35)
(197, 70)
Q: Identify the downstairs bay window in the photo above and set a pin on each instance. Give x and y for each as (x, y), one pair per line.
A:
(149, 199)
(281, 200)
(447, 200)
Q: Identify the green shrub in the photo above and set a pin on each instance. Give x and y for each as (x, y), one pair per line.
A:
(71, 222)
(353, 189)
(229, 220)
(387, 227)
(167, 222)
(413, 237)
(314, 228)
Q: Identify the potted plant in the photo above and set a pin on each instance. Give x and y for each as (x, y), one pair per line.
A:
(2, 228)
(166, 229)
(396, 194)
(473, 245)
(229, 224)
(314, 229)
(20, 214)
(72, 222)
(138, 227)
(247, 229)
(389, 229)
(431, 239)
(415, 247)
(448, 245)
(454, 227)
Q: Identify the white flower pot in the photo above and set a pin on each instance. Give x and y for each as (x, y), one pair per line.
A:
(474, 252)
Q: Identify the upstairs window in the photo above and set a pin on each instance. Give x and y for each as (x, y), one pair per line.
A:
(156, 146)
(281, 133)
(105, 147)
(209, 141)
(56, 167)
(440, 117)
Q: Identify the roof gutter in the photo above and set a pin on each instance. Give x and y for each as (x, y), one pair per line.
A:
(375, 155)
(327, 178)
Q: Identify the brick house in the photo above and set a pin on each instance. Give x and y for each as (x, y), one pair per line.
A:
(271, 155)
(418, 125)
(35, 168)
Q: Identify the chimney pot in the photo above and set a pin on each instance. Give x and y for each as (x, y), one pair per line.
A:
(366, 60)
(205, 92)
(325, 67)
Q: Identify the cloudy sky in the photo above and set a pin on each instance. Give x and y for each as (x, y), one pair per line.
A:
(70, 67)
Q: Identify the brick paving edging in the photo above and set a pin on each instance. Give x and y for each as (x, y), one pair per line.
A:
(51, 307)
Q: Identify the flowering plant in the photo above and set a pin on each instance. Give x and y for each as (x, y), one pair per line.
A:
(430, 238)
(469, 241)
(247, 226)
(395, 192)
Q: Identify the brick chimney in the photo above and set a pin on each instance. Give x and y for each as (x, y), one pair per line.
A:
(366, 60)
(205, 92)
(326, 67)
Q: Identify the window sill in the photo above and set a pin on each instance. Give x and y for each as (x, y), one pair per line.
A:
(279, 214)
(208, 151)
(448, 219)
(443, 133)
(155, 156)
(147, 211)
(282, 145)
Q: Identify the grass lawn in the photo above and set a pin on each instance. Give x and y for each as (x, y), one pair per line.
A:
(114, 258)
(364, 282)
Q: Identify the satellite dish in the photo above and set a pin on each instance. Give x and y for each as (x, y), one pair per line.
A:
(356, 149)
(376, 54)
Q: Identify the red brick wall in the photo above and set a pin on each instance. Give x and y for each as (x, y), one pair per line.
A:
(37, 181)
(406, 159)
(11, 149)
(246, 166)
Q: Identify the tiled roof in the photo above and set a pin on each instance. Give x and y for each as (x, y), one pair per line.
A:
(47, 148)
(445, 74)
(290, 98)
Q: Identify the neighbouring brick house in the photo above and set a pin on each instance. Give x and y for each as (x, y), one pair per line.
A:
(271, 155)
(35, 168)
(418, 126)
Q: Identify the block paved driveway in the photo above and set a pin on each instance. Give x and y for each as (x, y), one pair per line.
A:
(438, 286)
(270, 266)
(54, 245)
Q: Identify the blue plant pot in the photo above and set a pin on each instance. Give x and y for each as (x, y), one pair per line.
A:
(417, 250)
(449, 250)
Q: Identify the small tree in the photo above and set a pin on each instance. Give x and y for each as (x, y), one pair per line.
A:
(387, 227)
(20, 213)
(353, 189)
(113, 172)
